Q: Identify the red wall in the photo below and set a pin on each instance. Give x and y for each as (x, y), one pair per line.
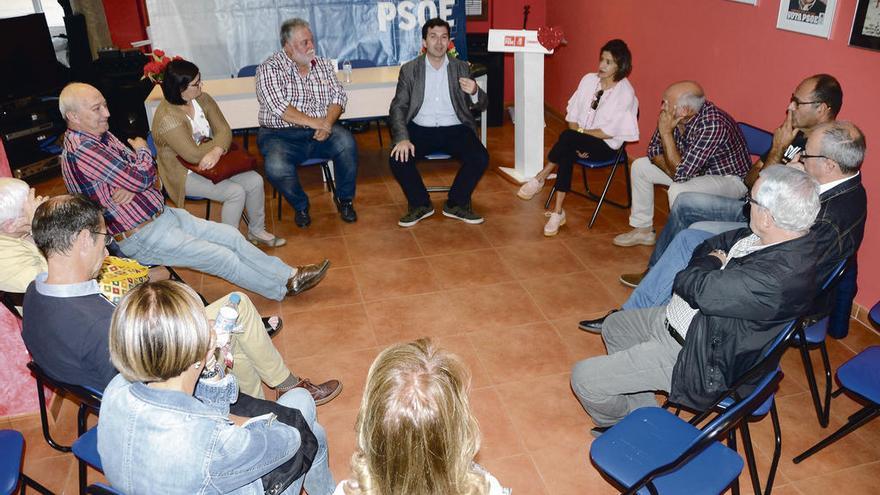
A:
(746, 65)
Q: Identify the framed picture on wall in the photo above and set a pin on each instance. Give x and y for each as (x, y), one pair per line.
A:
(866, 25)
(477, 10)
(812, 17)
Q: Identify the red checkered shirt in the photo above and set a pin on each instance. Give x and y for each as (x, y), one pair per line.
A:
(711, 144)
(280, 84)
(95, 166)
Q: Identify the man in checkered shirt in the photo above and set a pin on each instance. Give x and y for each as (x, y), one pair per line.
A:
(300, 101)
(697, 147)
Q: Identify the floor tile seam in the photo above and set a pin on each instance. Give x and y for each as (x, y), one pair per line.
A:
(547, 317)
(438, 291)
(828, 473)
(354, 275)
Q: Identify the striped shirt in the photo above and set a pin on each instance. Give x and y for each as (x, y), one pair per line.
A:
(95, 166)
(711, 144)
(280, 84)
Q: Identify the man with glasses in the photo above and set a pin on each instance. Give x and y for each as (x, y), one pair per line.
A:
(67, 317)
(734, 297)
(124, 182)
(696, 147)
(833, 156)
(816, 100)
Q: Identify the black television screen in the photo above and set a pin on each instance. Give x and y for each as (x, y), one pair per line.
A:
(27, 58)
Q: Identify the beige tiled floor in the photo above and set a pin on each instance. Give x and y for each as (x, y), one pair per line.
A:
(507, 300)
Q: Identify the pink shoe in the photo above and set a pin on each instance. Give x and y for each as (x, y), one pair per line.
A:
(555, 221)
(530, 188)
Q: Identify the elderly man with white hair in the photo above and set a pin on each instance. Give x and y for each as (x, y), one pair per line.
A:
(736, 295)
(20, 260)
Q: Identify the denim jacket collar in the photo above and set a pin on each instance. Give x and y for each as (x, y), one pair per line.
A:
(842, 188)
(174, 400)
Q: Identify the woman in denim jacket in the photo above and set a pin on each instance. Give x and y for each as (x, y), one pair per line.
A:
(154, 436)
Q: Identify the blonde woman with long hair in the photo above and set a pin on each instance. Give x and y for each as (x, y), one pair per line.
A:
(416, 434)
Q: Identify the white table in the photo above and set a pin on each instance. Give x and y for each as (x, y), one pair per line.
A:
(369, 95)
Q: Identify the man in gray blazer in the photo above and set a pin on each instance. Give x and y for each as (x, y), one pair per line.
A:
(432, 112)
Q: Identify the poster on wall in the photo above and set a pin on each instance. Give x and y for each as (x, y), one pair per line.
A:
(812, 17)
(866, 25)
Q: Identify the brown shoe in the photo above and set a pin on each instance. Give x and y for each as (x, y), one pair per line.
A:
(322, 393)
(632, 279)
(307, 276)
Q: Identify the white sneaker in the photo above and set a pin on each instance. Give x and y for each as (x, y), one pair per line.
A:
(555, 221)
(635, 237)
(530, 188)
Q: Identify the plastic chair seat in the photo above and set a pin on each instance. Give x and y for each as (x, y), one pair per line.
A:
(85, 448)
(651, 437)
(861, 374)
(11, 449)
(593, 164)
(875, 314)
(438, 156)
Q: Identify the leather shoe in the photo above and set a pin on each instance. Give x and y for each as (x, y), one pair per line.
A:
(346, 212)
(632, 279)
(595, 326)
(599, 430)
(307, 276)
(322, 393)
(302, 218)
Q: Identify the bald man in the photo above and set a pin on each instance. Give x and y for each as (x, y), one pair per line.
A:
(123, 181)
(696, 147)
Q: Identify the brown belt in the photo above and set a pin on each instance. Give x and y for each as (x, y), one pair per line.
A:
(128, 233)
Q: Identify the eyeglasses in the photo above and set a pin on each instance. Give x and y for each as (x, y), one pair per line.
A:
(108, 237)
(596, 99)
(749, 199)
(805, 156)
(798, 103)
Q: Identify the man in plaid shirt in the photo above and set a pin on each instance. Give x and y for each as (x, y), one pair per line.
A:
(696, 147)
(96, 164)
(300, 100)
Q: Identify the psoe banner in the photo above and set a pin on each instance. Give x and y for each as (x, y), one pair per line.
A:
(222, 36)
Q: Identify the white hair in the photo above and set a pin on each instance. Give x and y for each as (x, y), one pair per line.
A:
(693, 102)
(13, 193)
(790, 195)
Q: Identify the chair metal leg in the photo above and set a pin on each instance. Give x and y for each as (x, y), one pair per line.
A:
(750, 456)
(731, 443)
(44, 419)
(379, 131)
(550, 198)
(822, 410)
(861, 417)
(27, 481)
(604, 192)
(208, 209)
(777, 448)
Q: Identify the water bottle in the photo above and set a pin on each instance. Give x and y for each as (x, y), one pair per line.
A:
(346, 70)
(225, 324)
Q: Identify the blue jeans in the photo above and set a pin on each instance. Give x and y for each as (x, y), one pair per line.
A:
(691, 207)
(176, 238)
(286, 148)
(319, 479)
(656, 288)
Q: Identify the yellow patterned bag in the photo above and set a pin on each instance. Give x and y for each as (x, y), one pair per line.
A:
(119, 275)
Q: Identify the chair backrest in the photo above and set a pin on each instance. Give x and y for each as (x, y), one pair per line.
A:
(758, 141)
(11, 300)
(247, 71)
(89, 397)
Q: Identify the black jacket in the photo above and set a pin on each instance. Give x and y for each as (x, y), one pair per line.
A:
(742, 309)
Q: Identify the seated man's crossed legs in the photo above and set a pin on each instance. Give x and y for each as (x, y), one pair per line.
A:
(256, 360)
(645, 175)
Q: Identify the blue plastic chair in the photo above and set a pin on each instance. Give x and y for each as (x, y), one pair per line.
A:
(859, 376)
(85, 448)
(363, 64)
(11, 451)
(153, 151)
(874, 315)
(812, 336)
(758, 141)
(88, 398)
(621, 157)
(438, 156)
(326, 171)
(655, 451)
(246, 71)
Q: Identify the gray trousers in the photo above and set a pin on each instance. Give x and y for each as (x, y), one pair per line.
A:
(641, 355)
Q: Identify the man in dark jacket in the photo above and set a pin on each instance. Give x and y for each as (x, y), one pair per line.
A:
(432, 113)
(737, 293)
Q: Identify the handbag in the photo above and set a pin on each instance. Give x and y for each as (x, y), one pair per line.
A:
(119, 275)
(234, 162)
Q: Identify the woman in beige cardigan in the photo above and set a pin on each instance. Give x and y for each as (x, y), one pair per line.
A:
(188, 124)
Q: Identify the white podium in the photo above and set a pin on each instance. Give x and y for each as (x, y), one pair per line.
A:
(529, 103)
